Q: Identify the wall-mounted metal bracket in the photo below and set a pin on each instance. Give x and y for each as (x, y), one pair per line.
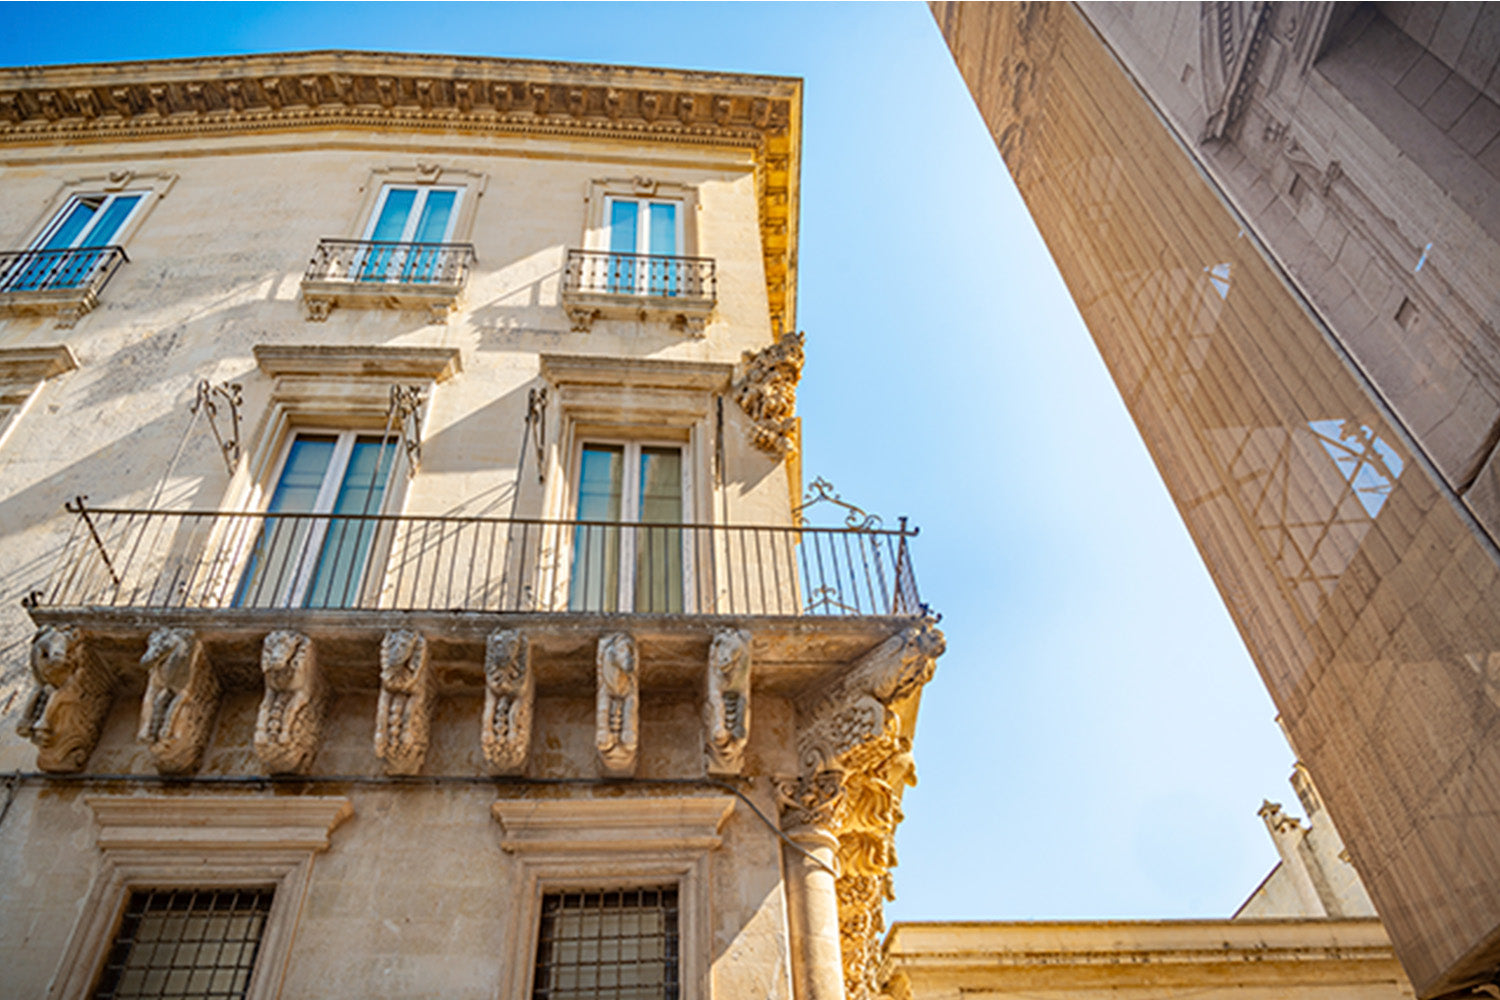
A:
(228, 395)
(406, 416)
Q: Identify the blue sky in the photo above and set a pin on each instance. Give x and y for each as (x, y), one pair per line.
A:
(1096, 741)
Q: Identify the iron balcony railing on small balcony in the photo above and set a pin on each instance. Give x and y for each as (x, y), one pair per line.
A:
(603, 283)
(65, 282)
(149, 559)
(383, 273)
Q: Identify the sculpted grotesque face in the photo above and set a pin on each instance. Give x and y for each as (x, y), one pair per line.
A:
(399, 661)
(504, 662)
(287, 668)
(617, 663)
(53, 655)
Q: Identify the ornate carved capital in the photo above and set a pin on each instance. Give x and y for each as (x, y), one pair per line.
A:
(854, 747)
(766, 390)
(509, 694)
(726, 701)
(73, 695)
(290, 722)
(182, 695)
(403, 726)
(617, 716)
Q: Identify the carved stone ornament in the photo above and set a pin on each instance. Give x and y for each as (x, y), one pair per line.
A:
(403, 725)
(855, 756)
(182, 695)
(726, 702)
(509, 695)
(290, 722)
(73, 695)
(767, 391)
(617, 715)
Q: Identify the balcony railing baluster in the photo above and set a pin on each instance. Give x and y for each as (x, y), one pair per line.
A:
(79, 269)
(391, 263)
(603, 272)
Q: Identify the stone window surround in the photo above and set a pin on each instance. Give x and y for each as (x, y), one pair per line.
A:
(561, 845)
(200, 841)
(614, 399)
(22, 372)
(472, 182)
(154, 185)
(596, 224)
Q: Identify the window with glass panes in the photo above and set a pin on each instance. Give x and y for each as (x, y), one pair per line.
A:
(641, 232)
(188, 944)
(406, 227)
(63, 258)
(618, 944)
(628, 552)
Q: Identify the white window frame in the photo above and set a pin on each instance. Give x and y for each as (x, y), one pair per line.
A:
(293, 592)
(200, 842)
(630, 511)
(643, 228)
(422, 190)
(61, 215)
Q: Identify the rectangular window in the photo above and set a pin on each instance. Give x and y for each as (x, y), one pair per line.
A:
(185, 943)
(609, 945)
(319, 561)
(641, 232)
(408, 225)
(627, 549)
(61, 256)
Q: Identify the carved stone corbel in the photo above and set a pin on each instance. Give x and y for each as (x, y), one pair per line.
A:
(403, 725)
(509, 694)
(766, 390)
(73, 695)
(726, 701)
(854, 748)
(617, 709)
(290, 722)
(581, 318)
(182, 695)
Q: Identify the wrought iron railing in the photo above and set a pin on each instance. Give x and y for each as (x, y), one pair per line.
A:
(601, 272)
(124, 558)
(387, 262)
(80, 269)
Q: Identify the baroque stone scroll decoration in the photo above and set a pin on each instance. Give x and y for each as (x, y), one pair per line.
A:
(73, 695)
(509, 696)
(766, 390)
(617, 711)
(403, 724)
(726, 701)
(182, 695)
(854, 750)
(290, 722)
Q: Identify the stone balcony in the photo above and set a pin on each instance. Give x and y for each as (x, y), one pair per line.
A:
(600, 284)
(63, 283)
(377, 274)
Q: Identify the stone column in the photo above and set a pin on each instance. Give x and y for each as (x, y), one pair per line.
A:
(813, 914)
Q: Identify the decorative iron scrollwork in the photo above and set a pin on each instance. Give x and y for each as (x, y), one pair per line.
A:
(406, 415)
(822, 491)
(536, 426)
(229, 395)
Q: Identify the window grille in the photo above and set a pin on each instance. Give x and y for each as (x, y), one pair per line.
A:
(612, 945)
(185, 944)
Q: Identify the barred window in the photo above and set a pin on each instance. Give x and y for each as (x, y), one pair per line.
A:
(610, 945)
(185, 944)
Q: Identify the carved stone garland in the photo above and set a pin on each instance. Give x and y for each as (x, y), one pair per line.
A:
(290, 722)
(509, 695)
(766, 390)
(726, 702)
(617, 717)
(73, 695)
(854, 747)
(403, 725)
(182, 695)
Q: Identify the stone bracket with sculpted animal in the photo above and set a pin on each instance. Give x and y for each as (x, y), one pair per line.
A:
(74, 691)
(617, 708)
(509, 696)
(289, 725)
(403, 723)
(726, 702)
(182, 695)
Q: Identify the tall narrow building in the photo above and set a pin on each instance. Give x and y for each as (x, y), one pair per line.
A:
(400, 476)
(1281, 225)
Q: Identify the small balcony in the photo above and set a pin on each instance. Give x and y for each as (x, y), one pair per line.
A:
(63, 283)
(377, 274)
(810, 594)
(678, 290)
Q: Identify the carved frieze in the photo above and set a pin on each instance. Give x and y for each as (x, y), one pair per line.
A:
(854, 749)
(403, 725)
(766, 390)
(73, 695)
(182, 695)
(509, 696)
(617, 709)
(726, 701)
(290, 722)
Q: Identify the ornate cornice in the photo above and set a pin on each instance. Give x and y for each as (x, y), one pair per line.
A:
(238, 95)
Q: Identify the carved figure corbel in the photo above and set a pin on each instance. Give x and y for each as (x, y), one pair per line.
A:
(403, 725)
(290, 722)
(767, 391)
(617, 709)
(581, 318)
(509, 694)
(73, 695)
(726, 702)
(182, 695)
